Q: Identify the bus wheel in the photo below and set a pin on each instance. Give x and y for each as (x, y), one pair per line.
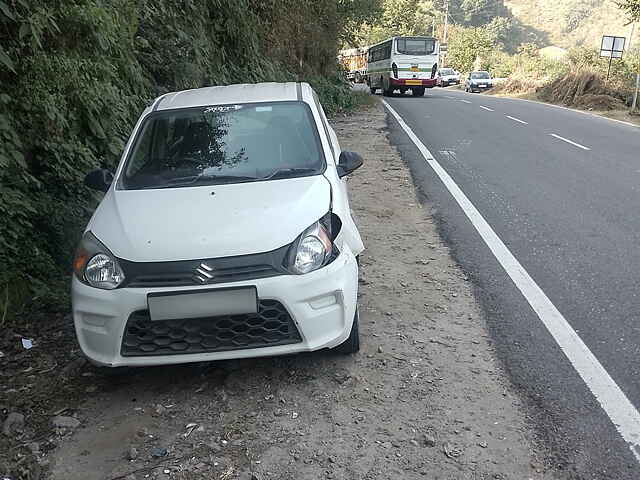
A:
(418, 92)
(373, 90)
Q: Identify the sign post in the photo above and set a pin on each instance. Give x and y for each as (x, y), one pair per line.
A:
(611, 47)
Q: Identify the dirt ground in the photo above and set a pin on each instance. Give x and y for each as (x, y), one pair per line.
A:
(424, 398)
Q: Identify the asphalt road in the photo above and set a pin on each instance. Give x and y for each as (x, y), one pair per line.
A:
(561, 189)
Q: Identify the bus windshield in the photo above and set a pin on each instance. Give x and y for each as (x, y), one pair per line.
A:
(415, 46)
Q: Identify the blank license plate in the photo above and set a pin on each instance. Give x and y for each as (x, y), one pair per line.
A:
(414, 82)
(202, 303)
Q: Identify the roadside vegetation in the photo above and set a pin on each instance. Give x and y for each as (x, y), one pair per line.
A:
(74, 76)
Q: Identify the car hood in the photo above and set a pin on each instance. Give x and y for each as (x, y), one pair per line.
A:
(209, 221)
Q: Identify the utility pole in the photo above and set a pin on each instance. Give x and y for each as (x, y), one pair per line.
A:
(446, 22)
(633, 27)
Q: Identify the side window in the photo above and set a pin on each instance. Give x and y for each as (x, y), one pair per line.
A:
(325, 124)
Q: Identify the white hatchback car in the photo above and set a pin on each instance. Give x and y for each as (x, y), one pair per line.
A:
(225, 232)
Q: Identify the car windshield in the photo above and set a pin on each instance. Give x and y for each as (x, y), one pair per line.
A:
(447, 71)
(224, 144)
(415, 46)
(480, 75)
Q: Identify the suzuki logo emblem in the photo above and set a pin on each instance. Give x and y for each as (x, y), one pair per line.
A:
(204, 273)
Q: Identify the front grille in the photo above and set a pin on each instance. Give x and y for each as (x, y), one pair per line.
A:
(271, 326)
(221, 270)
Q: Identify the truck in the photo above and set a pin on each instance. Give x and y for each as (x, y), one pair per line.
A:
(354, 62)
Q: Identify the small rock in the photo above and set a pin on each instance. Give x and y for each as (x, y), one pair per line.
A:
(483, 444)
(13, 423)
(65, 422)
(429, 440)
(380, 350)
(413, 442)
(386, 444)
(158, 410)
(142, 433)
(294, 415)
(159, 452)
(74, 367)
(132, 453)
(388, 314)
(278, 412)
(331, 460)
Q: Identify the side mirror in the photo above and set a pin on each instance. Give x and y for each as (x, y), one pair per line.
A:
(99, 179)
(348, 162)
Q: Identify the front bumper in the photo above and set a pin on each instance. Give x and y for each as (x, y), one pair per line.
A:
(321, 304)
(413, 82)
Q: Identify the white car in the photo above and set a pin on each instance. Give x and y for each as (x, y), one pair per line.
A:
(225, 232)
(447, 76)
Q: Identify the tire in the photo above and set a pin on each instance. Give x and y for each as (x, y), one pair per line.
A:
(373, 90)
(387, 92)
(351, 344)
(418, 92)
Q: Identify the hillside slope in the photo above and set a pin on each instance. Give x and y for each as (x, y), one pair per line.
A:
(570, 23)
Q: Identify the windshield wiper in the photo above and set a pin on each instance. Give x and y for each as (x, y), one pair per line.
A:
(194, 179)
(289, 172)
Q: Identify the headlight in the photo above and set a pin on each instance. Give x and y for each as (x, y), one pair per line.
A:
(313, 249)
(95, 265)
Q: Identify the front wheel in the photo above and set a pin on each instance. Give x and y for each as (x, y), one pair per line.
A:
(351, 344)
(418, 92)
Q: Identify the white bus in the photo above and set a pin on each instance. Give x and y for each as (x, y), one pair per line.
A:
(403, 63)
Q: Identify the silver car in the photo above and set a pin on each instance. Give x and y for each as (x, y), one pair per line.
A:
(478, 82)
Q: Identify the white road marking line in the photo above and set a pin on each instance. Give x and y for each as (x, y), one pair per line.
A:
(465, 101)
(516, 120)
(569, 141)
(487, 108)
(449, 97)
(614, 402)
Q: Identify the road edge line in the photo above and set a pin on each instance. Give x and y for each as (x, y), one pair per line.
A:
(609, 395)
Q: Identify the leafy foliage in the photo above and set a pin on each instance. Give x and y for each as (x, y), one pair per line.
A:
(399, 17)
(467, 47)
(75, 74)
(632, 8)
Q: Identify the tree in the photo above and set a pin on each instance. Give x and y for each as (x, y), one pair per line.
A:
(466, 45)
(632, 7)
(399, 17)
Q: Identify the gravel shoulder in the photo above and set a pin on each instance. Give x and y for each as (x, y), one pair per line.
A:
(425, 397)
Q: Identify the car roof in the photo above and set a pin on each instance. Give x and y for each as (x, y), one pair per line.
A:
(224, 95)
